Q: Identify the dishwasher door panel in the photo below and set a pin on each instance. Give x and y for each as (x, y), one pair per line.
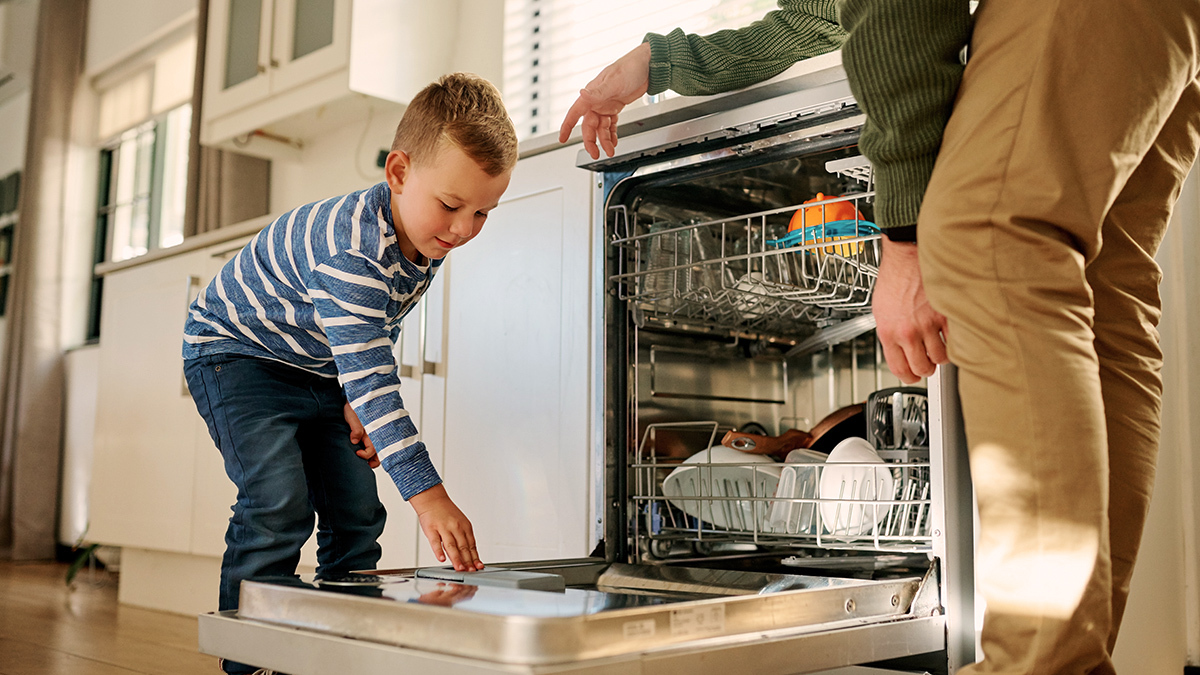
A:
(670, 614)
(302, 652)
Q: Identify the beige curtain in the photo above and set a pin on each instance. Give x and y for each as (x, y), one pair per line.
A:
(223, 187)
(31, 399)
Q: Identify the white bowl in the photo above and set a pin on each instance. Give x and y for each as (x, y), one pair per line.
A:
(850, 494)
(724, 472)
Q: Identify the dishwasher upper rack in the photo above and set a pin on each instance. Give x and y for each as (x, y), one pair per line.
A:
(719, 511)
(733, 274)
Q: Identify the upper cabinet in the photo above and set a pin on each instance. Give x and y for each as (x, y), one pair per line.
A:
(278, 72)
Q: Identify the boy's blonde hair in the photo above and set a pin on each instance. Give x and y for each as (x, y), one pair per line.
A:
(465, 110)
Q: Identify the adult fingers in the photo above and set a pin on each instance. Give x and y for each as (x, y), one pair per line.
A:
(935, 344)
(918, 359)
(897, 361)
(576, 111)
(607, 136)
(591, 121)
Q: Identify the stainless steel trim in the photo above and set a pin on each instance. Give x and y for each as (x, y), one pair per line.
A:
(788, 652)
(730, 123)
(797, 136)
(954, 527)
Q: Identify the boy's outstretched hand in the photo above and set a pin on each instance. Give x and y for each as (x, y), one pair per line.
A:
(359, 435)
(447, 528)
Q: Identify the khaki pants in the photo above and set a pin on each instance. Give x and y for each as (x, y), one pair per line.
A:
(1075, 126)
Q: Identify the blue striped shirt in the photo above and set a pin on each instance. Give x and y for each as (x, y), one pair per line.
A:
(324, 288)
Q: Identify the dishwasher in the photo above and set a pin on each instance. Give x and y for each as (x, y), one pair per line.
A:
(734, 260)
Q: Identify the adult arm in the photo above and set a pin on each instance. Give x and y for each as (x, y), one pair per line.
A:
(698, 64)
(903, 61)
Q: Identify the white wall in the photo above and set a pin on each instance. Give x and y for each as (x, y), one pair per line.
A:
(1160, 627)
(335, 163)
(118, 27)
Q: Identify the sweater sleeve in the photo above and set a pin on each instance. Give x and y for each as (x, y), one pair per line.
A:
(350, 295)
(903, 61)
(695, 65)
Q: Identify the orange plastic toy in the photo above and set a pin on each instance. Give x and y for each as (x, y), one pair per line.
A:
(826, 213)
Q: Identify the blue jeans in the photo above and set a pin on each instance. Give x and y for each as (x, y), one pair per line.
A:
(286, 446)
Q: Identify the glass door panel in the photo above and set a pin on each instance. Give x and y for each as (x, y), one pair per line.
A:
(312, 27)
(242, 41)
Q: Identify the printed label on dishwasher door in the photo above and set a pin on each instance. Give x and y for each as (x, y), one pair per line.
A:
(698, 621)
(638, 629)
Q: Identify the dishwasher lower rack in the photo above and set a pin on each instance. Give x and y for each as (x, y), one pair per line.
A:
(769, 272)
(734, 502)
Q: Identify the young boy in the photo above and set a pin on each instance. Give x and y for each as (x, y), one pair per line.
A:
(288, 352)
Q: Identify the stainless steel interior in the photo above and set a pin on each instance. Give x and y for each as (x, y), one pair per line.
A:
(715, 320)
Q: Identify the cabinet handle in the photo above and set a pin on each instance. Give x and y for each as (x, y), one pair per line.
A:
(274, 63)
(261, 69)
(429, 368)
(406, 371)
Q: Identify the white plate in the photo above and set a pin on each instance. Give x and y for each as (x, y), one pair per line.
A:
(850, 494)
(724, 472)
(798, 480)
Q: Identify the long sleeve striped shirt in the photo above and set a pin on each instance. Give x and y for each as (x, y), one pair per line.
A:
(324, 288)
(902, 59)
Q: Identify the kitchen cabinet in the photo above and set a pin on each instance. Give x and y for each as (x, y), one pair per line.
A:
(517, 426)
(278, 72)
(142, 480)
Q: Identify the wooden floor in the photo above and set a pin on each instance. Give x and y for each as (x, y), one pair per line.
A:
(47, 628)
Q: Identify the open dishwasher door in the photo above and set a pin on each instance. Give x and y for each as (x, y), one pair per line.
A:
(610, 618)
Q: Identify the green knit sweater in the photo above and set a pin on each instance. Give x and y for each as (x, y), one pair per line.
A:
(902, 58)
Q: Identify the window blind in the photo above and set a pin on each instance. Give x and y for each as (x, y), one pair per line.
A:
(552, 48)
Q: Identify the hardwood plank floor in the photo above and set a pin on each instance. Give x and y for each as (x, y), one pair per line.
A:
(47, 628)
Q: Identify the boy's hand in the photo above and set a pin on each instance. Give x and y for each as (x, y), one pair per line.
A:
(359, 435)
(446, 527)
(618, 85)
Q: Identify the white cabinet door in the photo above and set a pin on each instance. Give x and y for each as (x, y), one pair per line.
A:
(311, 39)
(238, 55)
(142, 478)
(213, 492)
(399, 538)
(517, 444)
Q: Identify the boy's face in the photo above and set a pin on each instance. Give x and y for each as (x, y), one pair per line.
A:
(442, 204)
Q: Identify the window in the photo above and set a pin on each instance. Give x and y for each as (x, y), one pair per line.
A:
(144, 129)
(143, 180)
(10, 191)
(552, 48)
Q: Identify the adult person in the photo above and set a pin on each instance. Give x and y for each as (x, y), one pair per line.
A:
(1039, 203)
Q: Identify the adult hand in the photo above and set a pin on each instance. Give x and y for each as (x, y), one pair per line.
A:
(359, 435)
(618, 85)
(447, 529)
(911, 332)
